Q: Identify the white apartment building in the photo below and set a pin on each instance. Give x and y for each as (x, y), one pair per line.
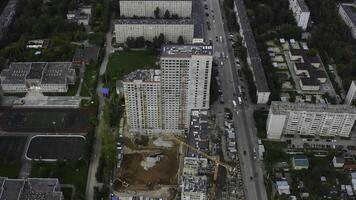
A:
(39, 76)
(142, 92)
(150, 28)
(309, 119)
(351, 94)
(301, 12)
(163, 103)
(348, 14)
(186, 72)
(146, 8)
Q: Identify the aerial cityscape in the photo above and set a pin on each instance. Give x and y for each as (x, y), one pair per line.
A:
(177, 100)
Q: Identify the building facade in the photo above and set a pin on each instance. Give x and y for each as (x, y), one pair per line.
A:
(39, 76)
(150, 28)
(146, 8)
(351, 94)
(163, 103)
(348, 14)
(309, 119)
(301, 12)
(186, 72)
(142, 92)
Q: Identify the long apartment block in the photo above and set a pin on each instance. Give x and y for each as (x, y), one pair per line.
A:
(306, 119)
(146, 8)
(172, 29)
(162, 103)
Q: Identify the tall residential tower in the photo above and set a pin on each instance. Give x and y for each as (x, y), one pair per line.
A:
(164, 104)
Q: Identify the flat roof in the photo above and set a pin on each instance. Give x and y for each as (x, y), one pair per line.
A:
(198, 132)
(148, 75)
(46, 72)
(197, 184)
(185, 50)
(249, 38)
(350, 11)
(198, 18)
(303, 6)
(154, 21)
(278, 107)
(12, 189)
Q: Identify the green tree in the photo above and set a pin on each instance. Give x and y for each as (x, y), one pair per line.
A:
(157, 13)
(167, 15)
(180, 40)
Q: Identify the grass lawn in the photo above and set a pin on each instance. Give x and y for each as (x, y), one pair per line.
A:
(90, 81)
(10, 170)
(122, 63)
(68, 173)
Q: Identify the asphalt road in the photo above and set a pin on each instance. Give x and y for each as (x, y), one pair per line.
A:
(247, 141)
(94, 160)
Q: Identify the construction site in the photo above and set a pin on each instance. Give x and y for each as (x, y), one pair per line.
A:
(151, 170)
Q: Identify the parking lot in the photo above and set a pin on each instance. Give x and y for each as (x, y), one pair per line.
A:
(56, 148)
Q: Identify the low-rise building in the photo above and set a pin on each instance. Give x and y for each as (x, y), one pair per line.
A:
(194, 188)
(286, 118)
(308, 69)
(338, 162)
(40, 76)
(198, 133)
(348, 14)
(301, 12)
(80, 16)
(30, 189)
(300, 162)
(146, 8)
(37, 44)
(172, 29)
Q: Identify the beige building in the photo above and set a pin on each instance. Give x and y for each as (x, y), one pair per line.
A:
(309, 119)
(150, 28)
(142, 92)
(162, 102)
(146, 8)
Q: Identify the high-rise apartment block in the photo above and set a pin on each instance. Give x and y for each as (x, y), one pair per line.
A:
(351, 94)
(146, 8)
(301, 12)
(163, 102)
(309, 119)
(142, 92)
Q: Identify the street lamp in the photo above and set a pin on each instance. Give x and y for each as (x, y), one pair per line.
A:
(54, 125)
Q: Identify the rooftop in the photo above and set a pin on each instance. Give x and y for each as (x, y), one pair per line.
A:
(149, 75)
(350, 11)
(198, 19)
(196, 184)
(47, 72)
(303, 6)
(153, 21)
(198, 132)
(30, 189)
(249, 38)
(278, 107)
(186, 50)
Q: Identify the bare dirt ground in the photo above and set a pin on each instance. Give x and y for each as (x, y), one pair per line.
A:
(163, 173)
